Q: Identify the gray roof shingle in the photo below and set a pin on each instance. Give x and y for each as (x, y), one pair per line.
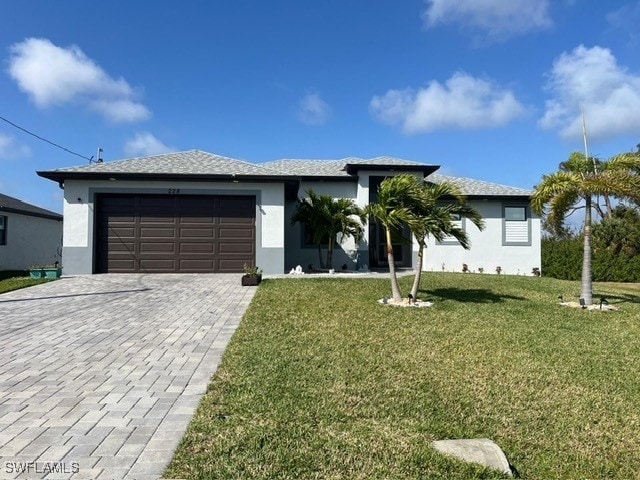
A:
(196, 163)
(191, 162)
(471, 187)
(335, 168)
(10, 204)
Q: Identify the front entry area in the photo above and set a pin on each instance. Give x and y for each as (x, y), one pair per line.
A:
(378, 241)
(174, 233)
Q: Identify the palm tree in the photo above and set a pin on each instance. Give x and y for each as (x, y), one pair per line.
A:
(326, 217)
(578, 180)
(431, 216)
(346, 218)
(396, 196)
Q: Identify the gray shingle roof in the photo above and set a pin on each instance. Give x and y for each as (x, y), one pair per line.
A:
(191, 162)
(471, 187)
(334, 168)
(10, 204)
(198, 163)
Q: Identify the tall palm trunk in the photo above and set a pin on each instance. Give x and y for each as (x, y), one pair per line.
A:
(395, 288)
(320, 256)
(330, 253)
(416, 278)
(586, 289)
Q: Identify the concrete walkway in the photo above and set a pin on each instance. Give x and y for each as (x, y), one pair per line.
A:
(100, 375)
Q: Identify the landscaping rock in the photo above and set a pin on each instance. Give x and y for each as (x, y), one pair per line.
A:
(475, 450)
(405, 302)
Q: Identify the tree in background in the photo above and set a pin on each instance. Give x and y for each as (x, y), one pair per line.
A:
(325, 217)
(575, 185)
(620, 234)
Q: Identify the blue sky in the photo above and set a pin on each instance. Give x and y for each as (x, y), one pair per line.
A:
(489, 89)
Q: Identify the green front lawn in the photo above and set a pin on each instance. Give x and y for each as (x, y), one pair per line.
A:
(320, 381)
(15, 279)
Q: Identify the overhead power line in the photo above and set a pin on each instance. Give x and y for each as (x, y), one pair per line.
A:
(45, 140)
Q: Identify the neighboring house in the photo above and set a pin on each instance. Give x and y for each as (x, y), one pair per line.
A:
(198, 212)
(29, 235)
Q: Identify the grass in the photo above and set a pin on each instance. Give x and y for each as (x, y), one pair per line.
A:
(319, 381)
(15, 279)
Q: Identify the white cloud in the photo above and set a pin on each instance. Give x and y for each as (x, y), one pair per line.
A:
(608, 93)
(313, 110)
(463, 102)
(53, 75)
(497, 19)
(11, 150)
(144, 144)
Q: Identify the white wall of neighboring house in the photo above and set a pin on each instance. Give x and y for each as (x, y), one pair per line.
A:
(30, 241)
(79, 214)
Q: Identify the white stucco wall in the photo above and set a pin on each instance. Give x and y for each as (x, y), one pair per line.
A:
(79, 197)
(30, 241)
(487, 250)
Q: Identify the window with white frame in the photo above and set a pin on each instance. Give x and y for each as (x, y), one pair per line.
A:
(3, 230)
(456, 221)
(516, 225)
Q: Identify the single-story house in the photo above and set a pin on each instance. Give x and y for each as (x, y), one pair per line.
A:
(29, 235)
(194, 211)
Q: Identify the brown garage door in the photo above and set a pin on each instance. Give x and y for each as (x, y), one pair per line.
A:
(174, 233)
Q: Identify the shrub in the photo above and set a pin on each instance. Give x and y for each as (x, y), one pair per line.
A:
(562, 258)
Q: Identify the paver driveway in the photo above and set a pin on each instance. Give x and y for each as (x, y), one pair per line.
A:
(100, 375)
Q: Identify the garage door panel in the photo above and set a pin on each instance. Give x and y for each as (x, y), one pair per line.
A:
(115, 246)
(123, 265)
(236, 248)
(154, 232)
(237, 220)
(187, 233)
(123, 219)
(157, 219)
(157, 264)
(197, 265)
(122, 232)
(169, 233)
(208, 247)
(192, 219)
(235, 233)
(157, 247)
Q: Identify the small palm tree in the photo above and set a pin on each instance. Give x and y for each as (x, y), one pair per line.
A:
(579, 180)
(396, 196)
(431, 216)
(326, 218)
(346, 219)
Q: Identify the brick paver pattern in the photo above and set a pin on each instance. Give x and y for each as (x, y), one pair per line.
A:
(100, 374)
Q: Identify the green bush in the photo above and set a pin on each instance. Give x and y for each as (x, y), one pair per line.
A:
(562, 258)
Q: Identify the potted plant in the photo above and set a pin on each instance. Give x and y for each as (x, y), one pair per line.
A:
(252, 276)
(45, 271)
